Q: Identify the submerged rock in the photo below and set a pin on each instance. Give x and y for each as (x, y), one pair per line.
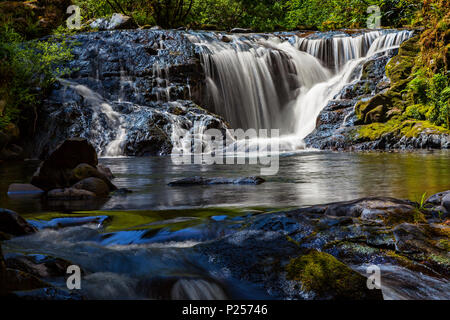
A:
(24, 190)
(84, 171)
(71, 173)
(70, 194)
(38, 265)
(94, 185)
(211, 181)
(47, 293)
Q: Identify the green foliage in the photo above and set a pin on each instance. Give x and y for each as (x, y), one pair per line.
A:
(419, 86)
(165, 13)
(333, 14)
(416, 111)
(27, 70)
(259, 15)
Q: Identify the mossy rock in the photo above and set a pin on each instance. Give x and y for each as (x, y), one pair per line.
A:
(375, 109)
(400, 66)
(399, 69)
(329, 278)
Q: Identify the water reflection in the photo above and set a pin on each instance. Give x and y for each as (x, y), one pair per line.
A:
(304, 179)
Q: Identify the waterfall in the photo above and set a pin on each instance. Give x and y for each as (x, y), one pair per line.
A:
(272, 82)
(105, 121)
(131, 100)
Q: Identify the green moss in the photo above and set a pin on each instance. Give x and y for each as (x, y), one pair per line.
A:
(399, 127)
(442, 260)
(399, 67)
(444, 244)
(292, 241)
(147, 219)
(323, 274)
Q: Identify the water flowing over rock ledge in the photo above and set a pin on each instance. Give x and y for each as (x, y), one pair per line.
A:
(130, 90)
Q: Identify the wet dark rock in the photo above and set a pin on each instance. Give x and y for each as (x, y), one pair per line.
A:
(19, 190)
(94, 185)
(68, 194)
(56, 170)
(211, 181)
(151, 79)
(40, 266)
(336, 122)
(225, 38)
(14, 280)
(446, 201)
(12, 223)
(344, 236)
(270, 252)
(436, 199)
(48, 293)
(84, 171)
(390, 140)
(105, 171)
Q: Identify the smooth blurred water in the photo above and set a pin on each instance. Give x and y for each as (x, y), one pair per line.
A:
(151, 254)
(304, 179)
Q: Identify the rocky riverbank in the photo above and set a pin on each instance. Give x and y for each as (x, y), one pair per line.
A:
(318, 252)
(371, 113)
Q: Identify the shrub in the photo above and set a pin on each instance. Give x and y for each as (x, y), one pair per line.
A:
(419, 88)
(27, 72)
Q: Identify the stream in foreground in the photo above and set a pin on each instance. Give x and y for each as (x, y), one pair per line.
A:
(305, 179)
(146, 244)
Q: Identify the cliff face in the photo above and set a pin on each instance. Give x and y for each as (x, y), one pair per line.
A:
(127, 93)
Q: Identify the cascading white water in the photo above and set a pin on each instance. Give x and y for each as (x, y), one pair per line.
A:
(100, 106)
(252, 80)
(265, 82)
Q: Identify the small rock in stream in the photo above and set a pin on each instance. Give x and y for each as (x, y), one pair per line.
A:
(201, 181)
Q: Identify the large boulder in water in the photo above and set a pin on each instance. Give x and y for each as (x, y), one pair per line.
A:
(56, 171)
(95, 185)
(84, 171)
(12, 223)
